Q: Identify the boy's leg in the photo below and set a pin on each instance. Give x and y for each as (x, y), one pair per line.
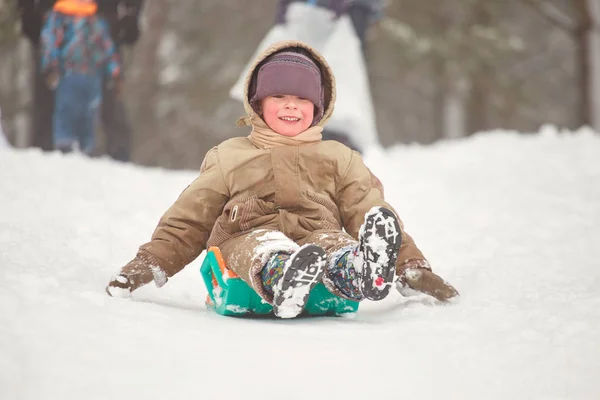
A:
(63, 133)
(379, 241)
(342, 274)
(299, 275)
(279, 270)
(87, 138)
(341, 277)
(363, 269)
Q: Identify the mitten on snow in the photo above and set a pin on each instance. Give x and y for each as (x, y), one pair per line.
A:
(417, 275)
(138, 272)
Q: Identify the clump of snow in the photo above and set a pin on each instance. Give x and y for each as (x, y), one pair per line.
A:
(236, 309)
(272, 243)
(512, 221)
(217, 294)
(159, 276)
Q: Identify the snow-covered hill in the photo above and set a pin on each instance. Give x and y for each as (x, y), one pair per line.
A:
(513, 221)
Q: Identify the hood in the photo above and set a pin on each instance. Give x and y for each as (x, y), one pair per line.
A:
(326, 76)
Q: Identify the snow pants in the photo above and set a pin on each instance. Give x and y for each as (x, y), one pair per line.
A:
(248, 254)
(77, 100)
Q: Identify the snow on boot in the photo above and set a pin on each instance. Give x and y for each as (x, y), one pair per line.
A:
(429, 283)
(379, 240)
(302, 272)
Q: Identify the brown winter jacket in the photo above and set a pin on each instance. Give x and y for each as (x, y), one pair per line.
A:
(298, 189)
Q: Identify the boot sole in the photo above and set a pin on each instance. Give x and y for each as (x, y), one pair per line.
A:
(380, 240)
(305, 270)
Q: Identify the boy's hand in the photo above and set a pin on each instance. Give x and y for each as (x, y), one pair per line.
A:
(116, 85)
(137, 273)
(52, 80)
(119, 286)
(422, 279)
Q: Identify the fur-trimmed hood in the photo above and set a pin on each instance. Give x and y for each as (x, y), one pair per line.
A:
(328, 79)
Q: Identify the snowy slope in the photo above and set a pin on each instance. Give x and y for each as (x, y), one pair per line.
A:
(512, 221)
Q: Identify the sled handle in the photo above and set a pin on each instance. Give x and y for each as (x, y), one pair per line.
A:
(212, 271)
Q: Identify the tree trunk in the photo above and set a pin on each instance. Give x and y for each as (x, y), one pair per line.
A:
(478, 101)
(582, 38)
(594, 8)
(439, 98)
(144, 83)
(454, 109)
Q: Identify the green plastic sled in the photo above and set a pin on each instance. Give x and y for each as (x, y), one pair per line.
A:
(229, 295)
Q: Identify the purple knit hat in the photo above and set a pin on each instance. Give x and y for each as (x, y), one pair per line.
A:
(289, 72)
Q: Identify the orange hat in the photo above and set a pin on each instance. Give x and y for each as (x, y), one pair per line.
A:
(78, 8)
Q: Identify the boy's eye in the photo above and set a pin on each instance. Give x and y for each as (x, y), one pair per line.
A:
(278, 96)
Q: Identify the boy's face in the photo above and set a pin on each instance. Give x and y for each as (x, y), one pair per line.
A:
(286, 114)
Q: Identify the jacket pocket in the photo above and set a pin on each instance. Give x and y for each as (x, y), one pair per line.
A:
(245, 213)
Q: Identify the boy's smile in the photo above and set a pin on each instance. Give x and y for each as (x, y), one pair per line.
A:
(287, 115)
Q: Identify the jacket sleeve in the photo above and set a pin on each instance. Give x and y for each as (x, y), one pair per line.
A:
(358, 190)
(112, 63)
(183, 231)
(52, 37)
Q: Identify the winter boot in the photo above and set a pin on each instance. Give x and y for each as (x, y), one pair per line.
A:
(302, 271)
(378, 245)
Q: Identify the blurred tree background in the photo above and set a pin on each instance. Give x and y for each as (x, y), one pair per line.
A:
(438, 69)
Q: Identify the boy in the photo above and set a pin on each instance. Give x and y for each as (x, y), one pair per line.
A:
(276, 202)
(77, 51)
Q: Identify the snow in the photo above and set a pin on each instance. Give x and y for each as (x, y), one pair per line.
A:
(511, 220)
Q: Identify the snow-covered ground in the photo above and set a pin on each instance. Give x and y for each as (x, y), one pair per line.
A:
(513, 221)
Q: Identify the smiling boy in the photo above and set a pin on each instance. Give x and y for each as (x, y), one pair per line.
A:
(286, 209)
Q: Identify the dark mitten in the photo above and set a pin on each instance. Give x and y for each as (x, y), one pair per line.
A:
(417, 275)
(429, 283)
(138, 272)
(129, 31)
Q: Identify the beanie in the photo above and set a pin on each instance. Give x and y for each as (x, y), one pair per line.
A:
(289, 72)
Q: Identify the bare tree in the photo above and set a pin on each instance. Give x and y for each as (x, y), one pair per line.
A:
(14, 74)
(144, 84)
(575, 19)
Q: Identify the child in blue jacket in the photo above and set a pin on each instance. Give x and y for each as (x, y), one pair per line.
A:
(77, 54)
